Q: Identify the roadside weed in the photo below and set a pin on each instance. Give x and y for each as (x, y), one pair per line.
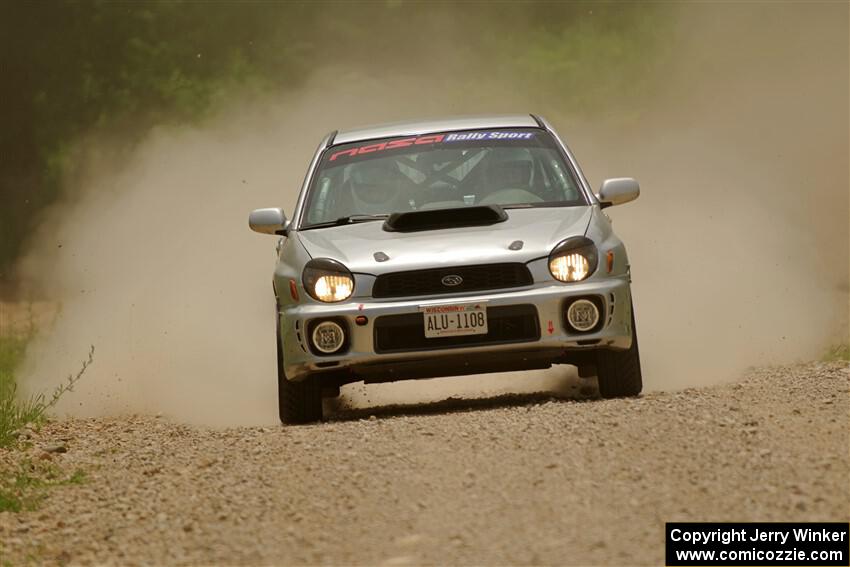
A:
(23, 482)
(15, 412)
(23, 485)
(837, 352)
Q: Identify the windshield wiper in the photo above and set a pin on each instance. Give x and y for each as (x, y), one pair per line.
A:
(350, 219)
(544, 204)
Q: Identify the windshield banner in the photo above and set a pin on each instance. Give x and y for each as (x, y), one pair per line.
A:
(473, 136)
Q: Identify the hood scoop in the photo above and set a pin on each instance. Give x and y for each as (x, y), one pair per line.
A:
(437, 219)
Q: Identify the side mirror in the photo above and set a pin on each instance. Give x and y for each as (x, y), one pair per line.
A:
(268, 221)
(618, 191)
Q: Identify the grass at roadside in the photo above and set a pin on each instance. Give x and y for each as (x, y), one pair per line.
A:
(23, 486)
(838, 352)
(14, 412)
(23, 481)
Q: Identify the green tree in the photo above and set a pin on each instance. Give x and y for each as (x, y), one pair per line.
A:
(73, 67)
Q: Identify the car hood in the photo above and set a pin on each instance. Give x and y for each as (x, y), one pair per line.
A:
(355, 245)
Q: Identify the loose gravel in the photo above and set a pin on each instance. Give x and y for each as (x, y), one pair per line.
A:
(517, 480)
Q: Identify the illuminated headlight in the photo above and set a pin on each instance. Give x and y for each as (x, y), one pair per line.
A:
(328, 337)
(573, 260)
(327, 280)
(582, 315)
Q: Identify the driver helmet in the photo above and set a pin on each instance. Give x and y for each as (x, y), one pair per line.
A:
(375, 187)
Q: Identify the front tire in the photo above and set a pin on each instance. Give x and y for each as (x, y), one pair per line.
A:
(298, 402)
(618, 371)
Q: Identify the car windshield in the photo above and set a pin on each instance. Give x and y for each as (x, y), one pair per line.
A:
(510, 167)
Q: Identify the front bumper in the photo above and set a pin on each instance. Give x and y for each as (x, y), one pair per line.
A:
(361, 360)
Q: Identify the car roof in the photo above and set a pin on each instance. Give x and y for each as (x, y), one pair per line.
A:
(440, 125)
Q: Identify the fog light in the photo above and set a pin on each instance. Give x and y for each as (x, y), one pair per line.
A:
(582, 315)
(328, 337)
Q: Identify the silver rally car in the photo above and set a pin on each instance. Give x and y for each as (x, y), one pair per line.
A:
(450, 247)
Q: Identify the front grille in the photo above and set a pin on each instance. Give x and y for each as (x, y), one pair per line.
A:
(507, 324)
(430, 282)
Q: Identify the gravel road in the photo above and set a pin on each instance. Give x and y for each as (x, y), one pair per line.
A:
(516, 480)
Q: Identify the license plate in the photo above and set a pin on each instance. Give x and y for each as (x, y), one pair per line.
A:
(454, 320)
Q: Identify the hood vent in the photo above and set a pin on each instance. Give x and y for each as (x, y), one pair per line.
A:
(445, 218)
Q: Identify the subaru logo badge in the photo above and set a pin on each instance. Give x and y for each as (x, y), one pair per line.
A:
(452, 280)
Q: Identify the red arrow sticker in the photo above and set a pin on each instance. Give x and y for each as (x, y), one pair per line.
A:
(551, 327)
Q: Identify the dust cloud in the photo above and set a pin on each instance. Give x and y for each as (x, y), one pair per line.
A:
(739, 244)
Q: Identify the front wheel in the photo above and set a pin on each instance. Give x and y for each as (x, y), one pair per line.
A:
(298, 402)
(618, 371)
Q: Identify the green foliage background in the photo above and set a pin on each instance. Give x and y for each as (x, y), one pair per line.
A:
(71, 68)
